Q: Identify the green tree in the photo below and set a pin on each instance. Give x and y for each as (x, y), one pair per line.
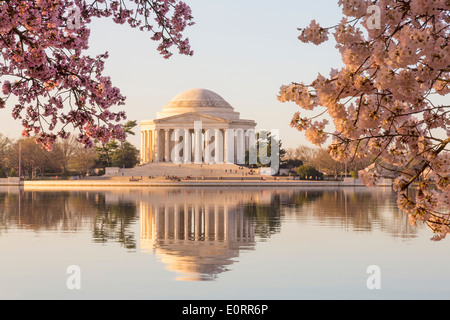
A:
(125, 156)
(129, 126)
(307, 172)
(118, 154)
(104, 152)
(13, 173)
(263, 146)
(291, 163)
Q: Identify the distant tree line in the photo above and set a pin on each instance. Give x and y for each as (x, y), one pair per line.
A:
(304, 161)
(311, 163)
(68, 157)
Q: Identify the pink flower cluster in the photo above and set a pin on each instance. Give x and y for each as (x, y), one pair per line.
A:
(386, 102)
(44, 67)
(314, 33)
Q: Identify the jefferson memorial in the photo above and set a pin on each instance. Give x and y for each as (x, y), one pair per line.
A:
(197, 126)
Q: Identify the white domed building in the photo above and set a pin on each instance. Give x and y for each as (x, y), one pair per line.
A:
(197, 126)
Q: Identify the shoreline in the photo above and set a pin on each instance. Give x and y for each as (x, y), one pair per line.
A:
(186, 183)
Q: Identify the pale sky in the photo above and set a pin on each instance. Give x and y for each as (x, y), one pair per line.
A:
(244, 51)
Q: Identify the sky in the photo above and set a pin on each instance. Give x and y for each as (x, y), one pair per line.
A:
(243, 50)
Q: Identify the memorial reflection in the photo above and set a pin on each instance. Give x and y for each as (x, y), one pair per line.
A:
(197, 241)
(199, 233)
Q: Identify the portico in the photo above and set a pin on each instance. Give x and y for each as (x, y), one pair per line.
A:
(197, 126)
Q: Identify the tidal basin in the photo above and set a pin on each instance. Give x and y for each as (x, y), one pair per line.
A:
(215, 243)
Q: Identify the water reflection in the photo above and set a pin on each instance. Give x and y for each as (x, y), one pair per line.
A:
(69, 212)
(198, 233)
(197, 241)
(355, 209)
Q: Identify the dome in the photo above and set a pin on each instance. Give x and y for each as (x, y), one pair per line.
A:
(200, 101)
(197, 98)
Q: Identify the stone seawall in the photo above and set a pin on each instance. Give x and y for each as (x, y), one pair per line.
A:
(190, 183)
(12, 181)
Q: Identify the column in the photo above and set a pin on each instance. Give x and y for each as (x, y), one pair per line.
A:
(246, 141)
(178, 146)
(198, 148)
(187, 146)
(252, 148)
(149, 148)
(157, 146)
(229, 146)
(208, 147)
(218, 146)
(167, 145)
(240, 147)
(142, 147)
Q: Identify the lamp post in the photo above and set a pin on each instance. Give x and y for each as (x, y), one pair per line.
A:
(20, 161)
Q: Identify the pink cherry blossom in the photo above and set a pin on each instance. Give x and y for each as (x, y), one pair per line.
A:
(382, 102)
(45, 67)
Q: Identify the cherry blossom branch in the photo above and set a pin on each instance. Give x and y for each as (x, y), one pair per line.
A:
(55, 82)
(381, 100)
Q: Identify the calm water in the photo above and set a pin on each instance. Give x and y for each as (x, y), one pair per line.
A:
(215, 244)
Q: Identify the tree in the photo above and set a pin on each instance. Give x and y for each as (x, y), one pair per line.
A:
(384, 101)
(125, 156)
(291, 163)
(83, 160)
(5, 145)
(290, 160)
(56, 84)
(308, 172)
(64, 151)
(104, 153)
(118, 153)
(265, 145)
(325, 163)
(305, 153)
(13, 173)
(34, 160)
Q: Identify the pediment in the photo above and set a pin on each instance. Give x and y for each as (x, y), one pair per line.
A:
(191, 117)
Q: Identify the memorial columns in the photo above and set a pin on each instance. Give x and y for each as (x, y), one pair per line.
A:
(167, 145)
(198, 146)
(157, 145)
(218, 146)
(187, 146)
(230, 145)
